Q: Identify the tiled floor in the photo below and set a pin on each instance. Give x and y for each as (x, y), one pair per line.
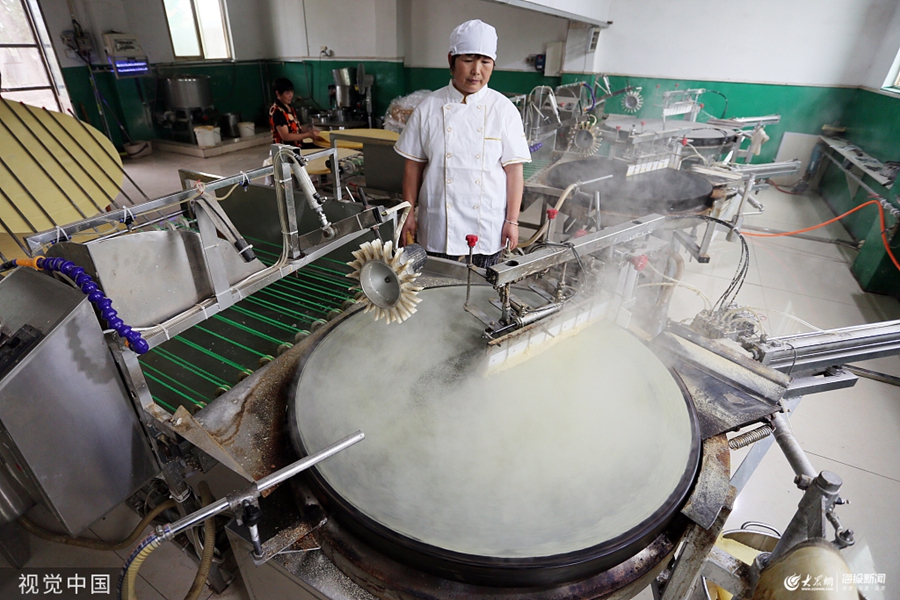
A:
(852, 432)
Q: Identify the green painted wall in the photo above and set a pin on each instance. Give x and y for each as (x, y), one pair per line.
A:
(311, 79)
(873, 124)
(803, 109)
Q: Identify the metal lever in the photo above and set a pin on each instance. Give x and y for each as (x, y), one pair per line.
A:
(471, 240)
(236, 501)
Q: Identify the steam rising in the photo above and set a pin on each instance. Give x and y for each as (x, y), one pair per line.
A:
(661, 191)
(563, 452)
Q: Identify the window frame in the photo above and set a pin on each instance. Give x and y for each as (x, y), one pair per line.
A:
(226, 30)
(51, 69)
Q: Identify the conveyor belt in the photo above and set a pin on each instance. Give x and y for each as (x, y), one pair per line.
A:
(193, 368)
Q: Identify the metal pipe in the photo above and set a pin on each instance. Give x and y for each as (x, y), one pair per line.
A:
(861, 183)
(873, 375)
(44, 237)
(803, 236)
(832, 347)
(255, 490)
(791, 447)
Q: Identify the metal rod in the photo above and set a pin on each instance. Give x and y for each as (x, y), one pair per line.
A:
(791, 447)
(469, 274)
(859, 181)
(111, 157)
(13, 236)
(97, 101)
(16, 208)
(263, 484)
(30, 195)
(93, 160)
(53, 156)
(873, 375)
(115, 216)
(803, 236)
(72, 156)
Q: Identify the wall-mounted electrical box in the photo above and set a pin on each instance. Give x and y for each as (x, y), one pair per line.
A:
(125, 55)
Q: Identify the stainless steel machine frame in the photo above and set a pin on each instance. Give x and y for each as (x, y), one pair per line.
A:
(710, 366)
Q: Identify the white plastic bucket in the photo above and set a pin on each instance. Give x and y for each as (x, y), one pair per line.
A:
(247, 129)
(207, 135)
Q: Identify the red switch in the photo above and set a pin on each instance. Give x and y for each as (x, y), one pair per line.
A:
(684, 141)
(640, 262)
(551, 213)
(471, 240)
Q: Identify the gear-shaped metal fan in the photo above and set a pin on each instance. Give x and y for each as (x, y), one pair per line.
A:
(387, 278)
(632, 101)
(585, 139)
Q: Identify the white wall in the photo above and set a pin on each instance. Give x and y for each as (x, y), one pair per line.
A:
(352, 29)
(252, 37)
(824, 42)
(595, 11)
(885, 60)
(520, 32)
(95, 16)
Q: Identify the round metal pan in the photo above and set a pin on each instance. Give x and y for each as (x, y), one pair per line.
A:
(664, 191)
(530, 449)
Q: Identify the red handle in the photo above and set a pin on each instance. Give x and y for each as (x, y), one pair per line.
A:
(551, 213)
(471, 240)
(640, 262)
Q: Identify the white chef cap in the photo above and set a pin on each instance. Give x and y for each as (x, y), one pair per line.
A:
(474, 37)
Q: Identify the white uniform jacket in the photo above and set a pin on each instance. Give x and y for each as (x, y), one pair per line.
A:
(466, 147)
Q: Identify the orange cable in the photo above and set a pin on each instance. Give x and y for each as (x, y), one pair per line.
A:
(838, 218)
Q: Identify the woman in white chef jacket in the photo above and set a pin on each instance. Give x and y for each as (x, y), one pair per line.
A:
(464, 147)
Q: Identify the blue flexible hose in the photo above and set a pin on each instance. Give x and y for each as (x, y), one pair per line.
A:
(95, 295)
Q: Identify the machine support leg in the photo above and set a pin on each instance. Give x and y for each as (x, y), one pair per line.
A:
(697, 545)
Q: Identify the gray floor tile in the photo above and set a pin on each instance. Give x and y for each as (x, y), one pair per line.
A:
(170, 571)
(868, 441)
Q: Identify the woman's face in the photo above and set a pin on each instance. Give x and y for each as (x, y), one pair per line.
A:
(286, 97)
(471, 72)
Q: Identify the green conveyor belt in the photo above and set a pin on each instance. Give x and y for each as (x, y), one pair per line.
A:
(192, 368)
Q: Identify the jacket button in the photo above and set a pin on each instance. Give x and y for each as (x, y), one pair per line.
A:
(477, 156)
(475, 206)
(451, 129)
(449, 155)
(479, 129)
(449, 180)
(477, 182)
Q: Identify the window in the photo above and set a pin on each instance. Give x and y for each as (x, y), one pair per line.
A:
(198, 29)
(28, 66)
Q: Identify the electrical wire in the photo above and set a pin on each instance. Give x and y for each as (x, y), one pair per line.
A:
(784, 191)
(737, 282)
(724, 110)
(678, 283)
(878, 203)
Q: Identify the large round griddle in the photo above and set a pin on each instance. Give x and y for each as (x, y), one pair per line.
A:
(563, 465)
(664, 191)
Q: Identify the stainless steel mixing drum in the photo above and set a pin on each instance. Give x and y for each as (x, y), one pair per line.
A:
(546, 472)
